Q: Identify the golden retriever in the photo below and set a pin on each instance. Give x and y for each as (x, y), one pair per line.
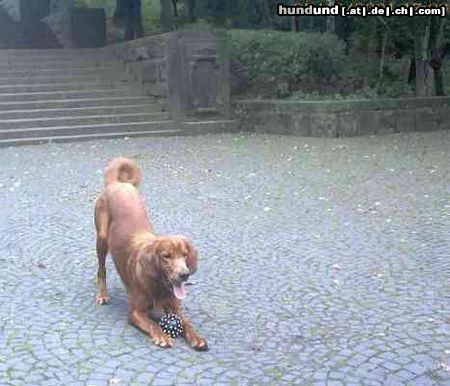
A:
(153, 268)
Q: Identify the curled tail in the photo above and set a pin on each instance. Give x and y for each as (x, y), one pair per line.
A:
(123, 170)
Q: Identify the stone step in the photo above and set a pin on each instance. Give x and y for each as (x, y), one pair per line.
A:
(67, 95)
(73, 103)
(69, 71)
(50, 53)
(86, 137)
(9, 124)
(80, 111)
(71, 94)
(56, 65)
(54, 52)
(68, 79)
(39, 59)
(170, 128)
(87, 129)
(59, 87)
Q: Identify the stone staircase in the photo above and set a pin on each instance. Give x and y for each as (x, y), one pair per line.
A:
(63, 95)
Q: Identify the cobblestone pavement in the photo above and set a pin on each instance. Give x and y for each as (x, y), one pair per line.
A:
(323, 261)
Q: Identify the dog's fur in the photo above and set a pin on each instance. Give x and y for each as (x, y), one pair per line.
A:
(150, 266)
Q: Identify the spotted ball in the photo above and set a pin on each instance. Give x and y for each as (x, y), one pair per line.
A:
(172, 325)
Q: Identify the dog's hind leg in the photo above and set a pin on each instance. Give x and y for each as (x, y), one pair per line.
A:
(101, 227)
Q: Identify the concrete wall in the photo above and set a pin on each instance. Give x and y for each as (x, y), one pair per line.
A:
(344, 118)
(185, 70)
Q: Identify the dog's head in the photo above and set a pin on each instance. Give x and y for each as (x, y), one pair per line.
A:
(169, 260)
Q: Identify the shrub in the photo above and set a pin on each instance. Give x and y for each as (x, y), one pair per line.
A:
(264, 61)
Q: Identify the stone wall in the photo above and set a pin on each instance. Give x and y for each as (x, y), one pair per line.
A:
(146, 60)
(185, 70)
(344, 118)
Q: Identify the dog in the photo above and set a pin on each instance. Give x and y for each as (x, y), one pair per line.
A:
(154, 268)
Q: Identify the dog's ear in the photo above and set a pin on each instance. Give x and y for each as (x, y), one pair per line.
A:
(191, 256)
(148, 260)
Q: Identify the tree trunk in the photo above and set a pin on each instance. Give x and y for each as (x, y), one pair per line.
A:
(133, 19)
(119, 13)
(331, 21)
(421, 38)
(295, 25)
(383, 50)
(439, 88)
(175, 8)
(192, 14)
(166, 16)
(266, 19)
(242, 14)
(382, 58)
(372, 44)
(437, 53)
(412, 70)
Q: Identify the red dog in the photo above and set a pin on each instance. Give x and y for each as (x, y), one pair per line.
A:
(153, 268)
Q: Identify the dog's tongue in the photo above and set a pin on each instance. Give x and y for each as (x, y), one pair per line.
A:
(180, 290)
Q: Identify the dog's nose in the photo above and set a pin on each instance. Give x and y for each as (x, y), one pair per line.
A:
(184, 276)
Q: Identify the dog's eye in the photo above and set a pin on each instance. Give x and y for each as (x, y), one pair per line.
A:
(166, 255)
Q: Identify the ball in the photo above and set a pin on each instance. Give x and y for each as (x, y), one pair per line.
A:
(171, 325)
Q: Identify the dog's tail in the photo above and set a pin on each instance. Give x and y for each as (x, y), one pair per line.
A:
(123, 170)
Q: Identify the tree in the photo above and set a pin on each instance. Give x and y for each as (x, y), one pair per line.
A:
(383, 50)
(421, 40)
(430, 50)
(192, 10)
(218, 11)
(175, 8)
(331, 22)
(167, 15)
(242, 13)
(128, 12)
(266, 15)
(438, 51)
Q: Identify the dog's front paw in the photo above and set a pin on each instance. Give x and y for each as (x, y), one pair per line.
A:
(162, 340)
(199, 344)
(102, 298)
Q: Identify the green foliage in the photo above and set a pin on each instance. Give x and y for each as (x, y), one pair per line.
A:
(288, 62)
(216, 11)
(81, 3)
(150, 15)
(108, 5)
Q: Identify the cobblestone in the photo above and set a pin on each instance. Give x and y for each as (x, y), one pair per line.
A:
(322, 261)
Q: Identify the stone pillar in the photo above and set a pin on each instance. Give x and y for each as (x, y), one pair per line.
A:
(197, 74)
